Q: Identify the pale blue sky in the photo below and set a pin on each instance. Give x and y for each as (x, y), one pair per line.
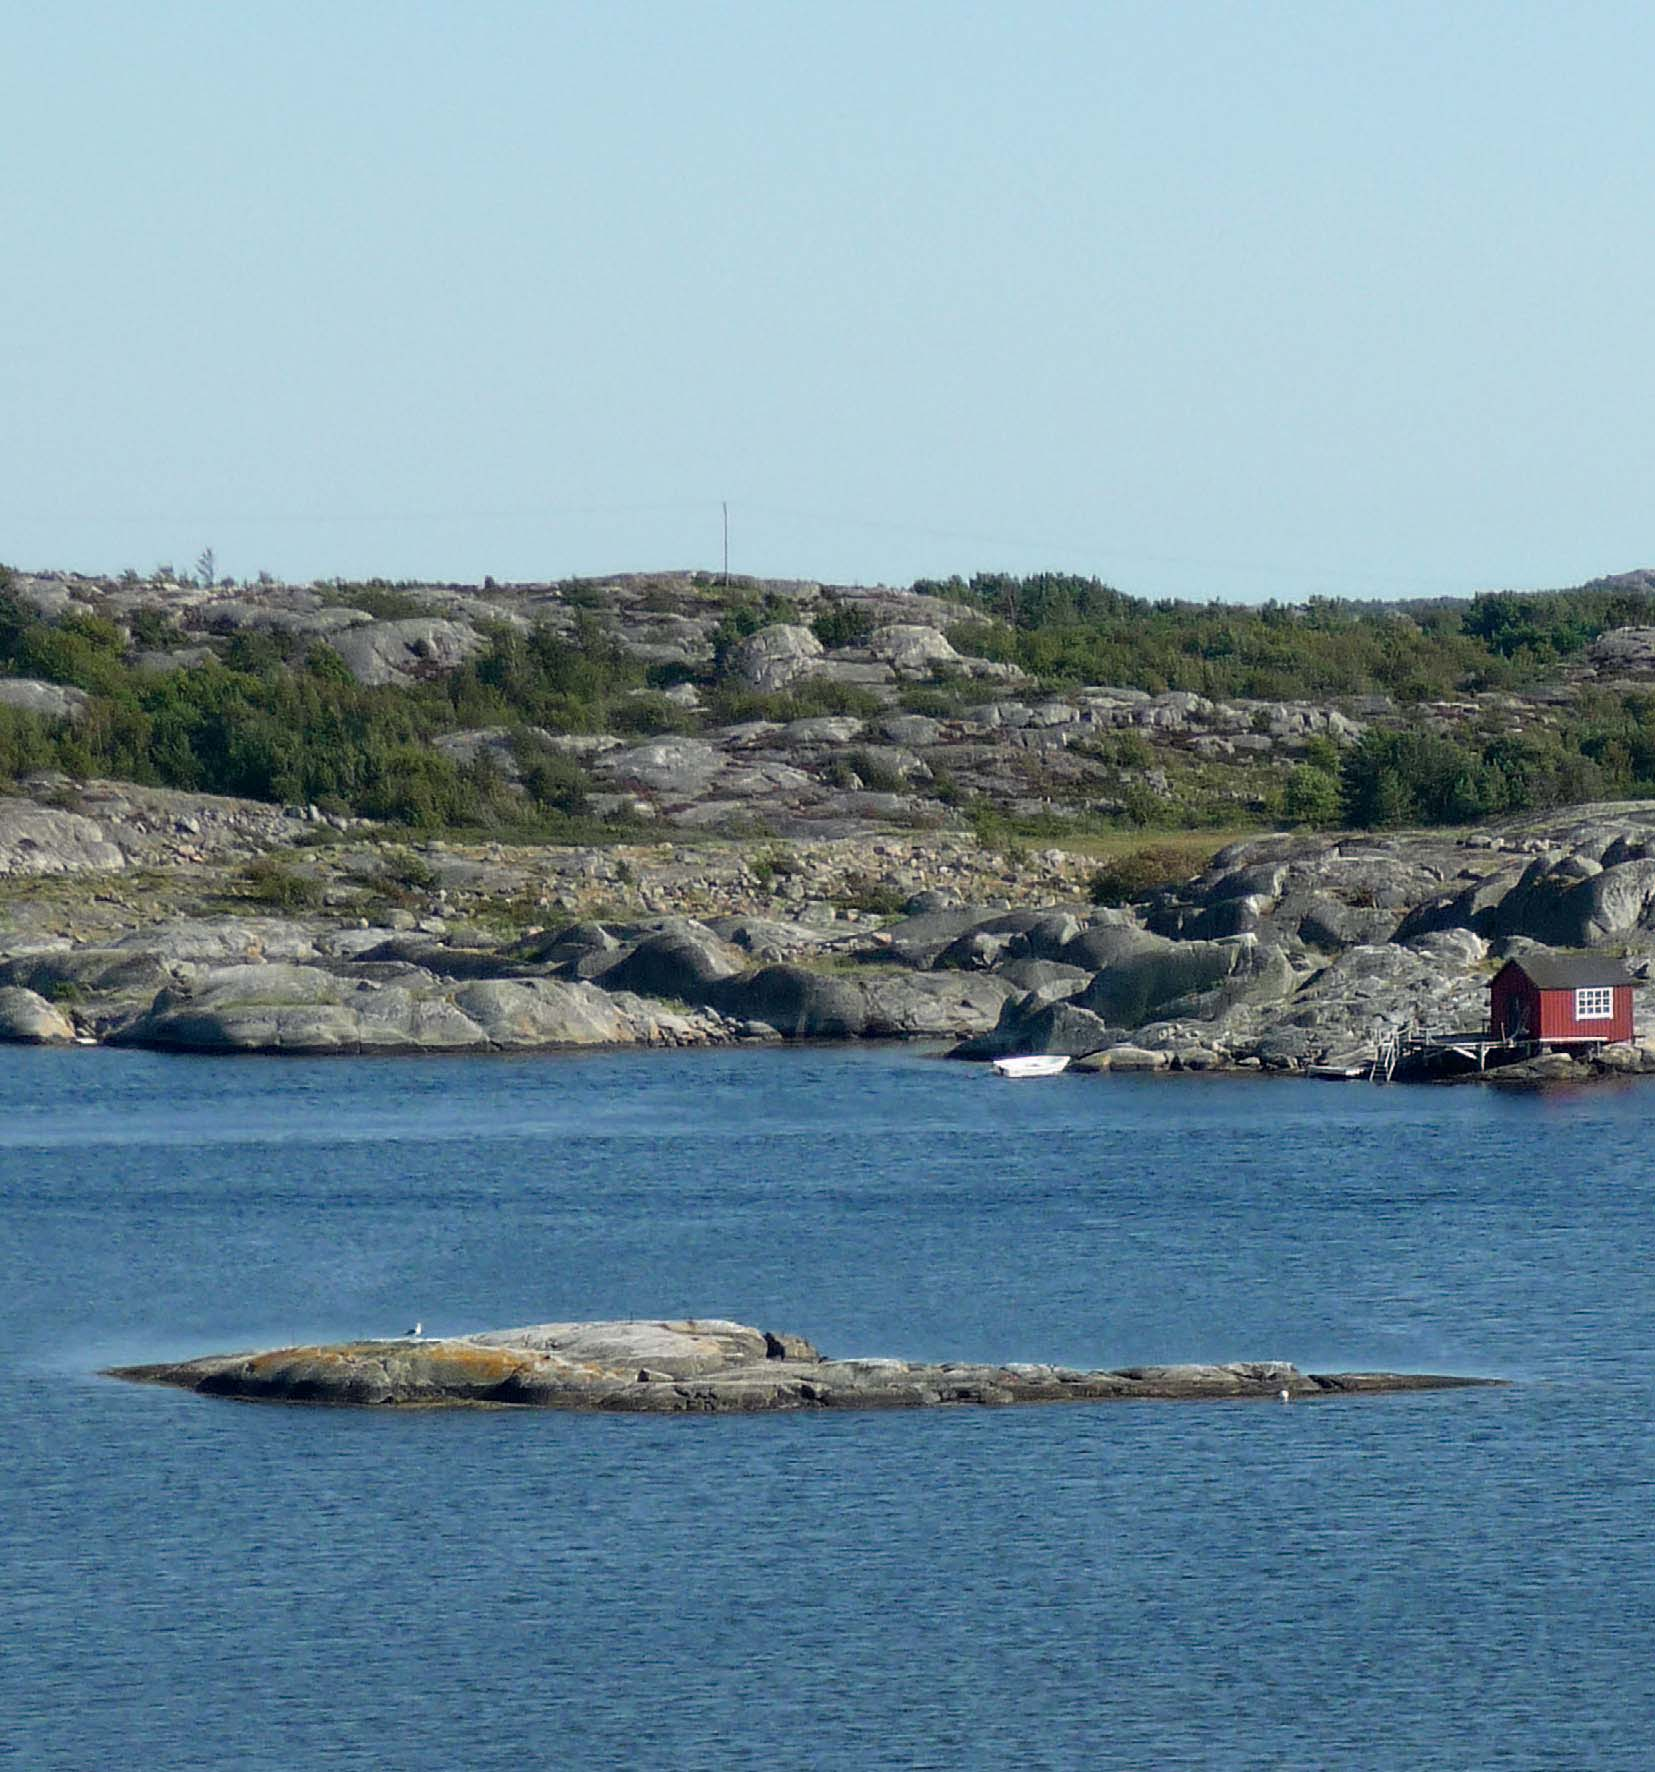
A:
(1233, 300)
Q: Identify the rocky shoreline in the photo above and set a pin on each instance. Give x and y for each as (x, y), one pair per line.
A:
(811, 875)
(140, 917)
(710, 1366)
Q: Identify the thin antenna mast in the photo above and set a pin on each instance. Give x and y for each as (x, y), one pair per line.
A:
(725, 503)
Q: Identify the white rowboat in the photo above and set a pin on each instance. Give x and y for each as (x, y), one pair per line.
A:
(1038, 1065)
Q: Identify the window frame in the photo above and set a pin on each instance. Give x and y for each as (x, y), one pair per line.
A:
(1595, 1002)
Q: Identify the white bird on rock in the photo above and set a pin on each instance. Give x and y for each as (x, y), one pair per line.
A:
(419, 1328)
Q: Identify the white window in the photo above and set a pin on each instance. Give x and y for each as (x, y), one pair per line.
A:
(1595, 1004)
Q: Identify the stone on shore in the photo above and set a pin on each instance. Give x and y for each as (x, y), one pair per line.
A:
(27, 1017)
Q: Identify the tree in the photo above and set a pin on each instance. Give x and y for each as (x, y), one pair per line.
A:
(1311, 797)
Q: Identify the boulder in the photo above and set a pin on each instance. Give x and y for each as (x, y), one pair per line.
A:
(26, 1016)
(1545, 1067)
(1125, 1057)
(684, 962)
(1032, 1025)
(1050, 978)
(912, 650)
(1107, 944)
(914, 731)
(1465, 906)
(675, 768)
(767, 938)
(106, 973)
(50, 701)
(519, 1013)
(903, 1005)
(41, 840)
(822, 729)
(444, 961)
(919, 939)
(1046, 935)
(1606, 906)
(394, 651)
(1562, 898)
(773, 657)
(799, 1005)
(1145, 979)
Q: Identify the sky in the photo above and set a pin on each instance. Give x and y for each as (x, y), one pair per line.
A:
(1208, 300)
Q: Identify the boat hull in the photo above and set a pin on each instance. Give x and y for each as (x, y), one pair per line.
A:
(1038, 1065)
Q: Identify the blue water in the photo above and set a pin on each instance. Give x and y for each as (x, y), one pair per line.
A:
(1446, 1580)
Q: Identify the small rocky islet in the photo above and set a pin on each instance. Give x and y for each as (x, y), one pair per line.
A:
(710, 1366)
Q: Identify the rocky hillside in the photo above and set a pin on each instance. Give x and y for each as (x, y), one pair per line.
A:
(788, 708)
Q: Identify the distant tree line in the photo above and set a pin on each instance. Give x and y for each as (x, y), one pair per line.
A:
(1068, 630)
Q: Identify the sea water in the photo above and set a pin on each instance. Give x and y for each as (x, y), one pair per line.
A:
(1457, 1579)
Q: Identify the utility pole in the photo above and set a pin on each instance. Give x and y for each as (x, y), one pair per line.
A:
(726, 506)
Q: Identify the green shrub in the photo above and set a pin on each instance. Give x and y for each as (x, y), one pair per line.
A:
(402, 867)
(377, 597)
(554, 781)
(266, 881)
(643, 714)
(875, 773)
(807, 700)
(845, 624)
(153, 628)
(874, 897)
(1311, 797)
(1136, 875)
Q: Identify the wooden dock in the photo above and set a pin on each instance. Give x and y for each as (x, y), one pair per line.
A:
(1419, 1051)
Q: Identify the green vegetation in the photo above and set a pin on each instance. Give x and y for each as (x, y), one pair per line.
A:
(1311, 797)
(248, 723)
(845, 624)
(1124, 879)
(809, 699)
(746, 616)
(1412, 778)
(255, 720)
(1067, 630)
(377, 597)
(266, 881)
(874, 772)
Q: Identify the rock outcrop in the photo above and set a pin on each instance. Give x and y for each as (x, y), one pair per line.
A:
(164, 921)
(38, 839)
(29, 1018)
(395, 651)
(710, 1367)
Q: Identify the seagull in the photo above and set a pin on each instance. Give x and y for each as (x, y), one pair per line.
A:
(1285, 1396)
(418, 1329)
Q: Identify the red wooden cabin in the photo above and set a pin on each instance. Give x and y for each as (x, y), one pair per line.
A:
(1561, 1000)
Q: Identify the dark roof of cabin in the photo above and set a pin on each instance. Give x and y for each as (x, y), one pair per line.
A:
(1568, 972)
